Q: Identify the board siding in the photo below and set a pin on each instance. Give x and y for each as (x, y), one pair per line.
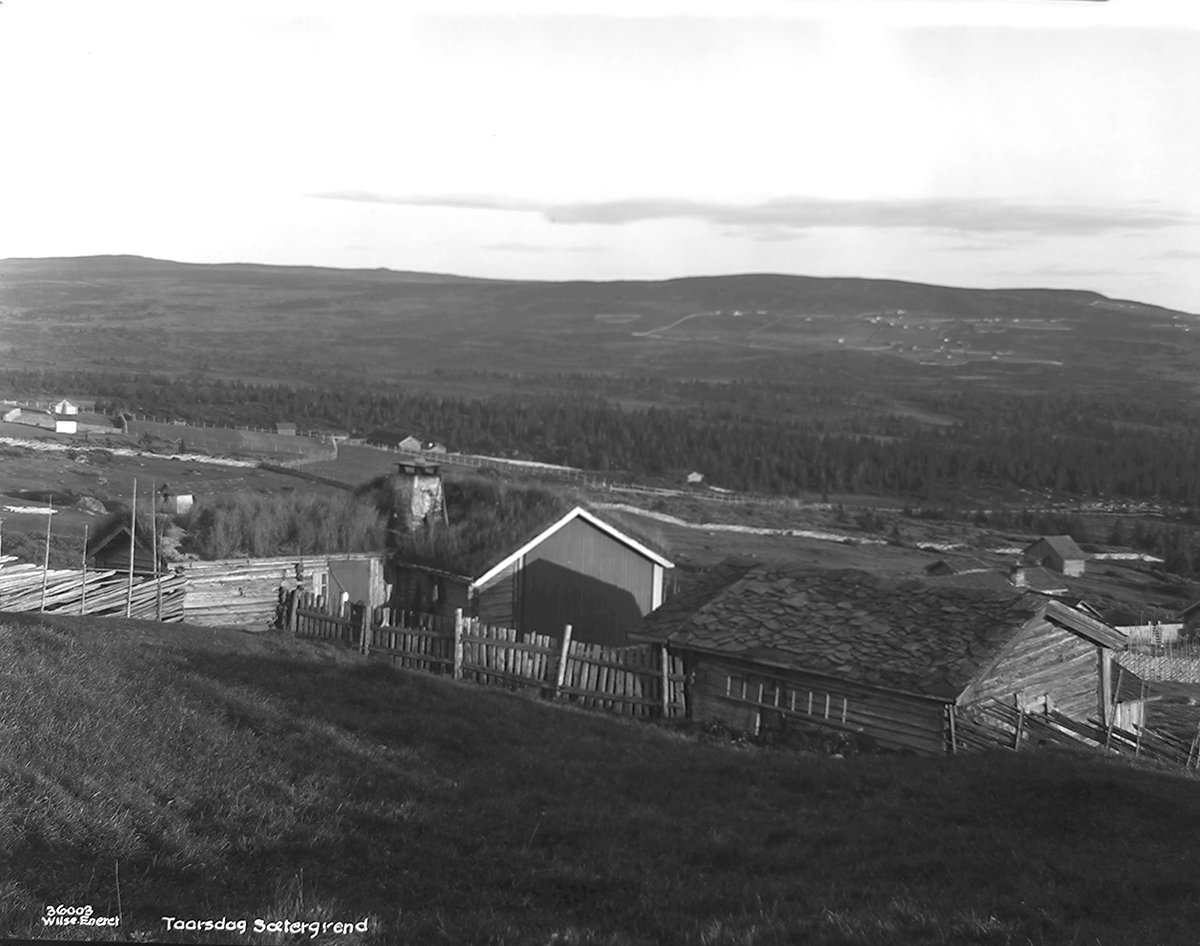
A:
(893, 720)
(584, 577)
(1046, 661)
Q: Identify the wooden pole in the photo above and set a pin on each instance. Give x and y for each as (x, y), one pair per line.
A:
(154, 548)
(1112, 712)
(46, 557)
(363, 613)
(1137, 749)
(1020, 722)
(83, 580)
(132, 534)
(561, 676)
(953, 732)
(665, 661)
(458, 643)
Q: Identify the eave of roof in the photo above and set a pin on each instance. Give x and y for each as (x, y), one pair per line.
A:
(577, 513)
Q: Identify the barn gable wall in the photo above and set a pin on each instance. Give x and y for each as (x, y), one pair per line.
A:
(1044, 660)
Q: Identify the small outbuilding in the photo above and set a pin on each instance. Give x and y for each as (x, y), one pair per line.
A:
(1057, 552)
(535, 575)
(394, 440)
(108, 546)
(287, 428)
(1037, 578)
(695, 478)
(65, 407)
(893, 661)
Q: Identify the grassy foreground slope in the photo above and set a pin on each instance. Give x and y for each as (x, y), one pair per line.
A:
(216, 773)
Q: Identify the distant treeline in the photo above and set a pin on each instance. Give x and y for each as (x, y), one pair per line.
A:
(773, 437)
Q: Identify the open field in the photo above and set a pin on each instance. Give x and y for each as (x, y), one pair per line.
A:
(219, 773)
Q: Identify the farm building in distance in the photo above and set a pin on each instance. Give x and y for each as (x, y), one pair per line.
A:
(576, 569)
(286, 428)
(892, 660)
(1057, 552)
(395, 440)
(41, 417)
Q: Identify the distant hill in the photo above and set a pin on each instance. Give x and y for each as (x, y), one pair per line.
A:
(306, 323)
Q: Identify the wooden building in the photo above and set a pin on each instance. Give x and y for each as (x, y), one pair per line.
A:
(108, 547)
(577, 570)
(1038, 578)
(245, 591)
(891, 661)
(1058, 552)
(394, 440)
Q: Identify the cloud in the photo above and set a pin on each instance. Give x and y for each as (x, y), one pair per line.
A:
(1178, 254)
(540, 248)
(771, 219)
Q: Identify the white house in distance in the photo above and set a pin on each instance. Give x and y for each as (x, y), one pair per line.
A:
(39, 417)
(65, 407)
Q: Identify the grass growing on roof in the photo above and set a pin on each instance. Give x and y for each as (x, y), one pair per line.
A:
(293, 523)
(488, 519)
(253, 775)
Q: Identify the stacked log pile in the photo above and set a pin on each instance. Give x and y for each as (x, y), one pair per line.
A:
(25, 587)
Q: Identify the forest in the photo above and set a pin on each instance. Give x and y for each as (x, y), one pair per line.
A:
(769, 437)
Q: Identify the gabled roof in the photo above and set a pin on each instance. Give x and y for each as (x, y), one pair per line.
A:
(393, 437)
(116, 530)
(907, 635)
(577, 513)
(1064, 545)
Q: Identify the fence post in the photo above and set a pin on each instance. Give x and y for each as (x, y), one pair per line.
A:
(666, 682)
(292, 621)
(361, 615)
(458, 643)
(562, 662)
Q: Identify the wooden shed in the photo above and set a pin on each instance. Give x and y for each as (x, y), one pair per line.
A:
(245, 591)
(1058, 552)
(577, 570)
(892, 661)
(108, 547)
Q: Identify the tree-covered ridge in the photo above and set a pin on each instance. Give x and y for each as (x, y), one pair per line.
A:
(772, 437)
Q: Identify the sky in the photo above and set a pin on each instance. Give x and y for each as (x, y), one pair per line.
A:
(984, 143)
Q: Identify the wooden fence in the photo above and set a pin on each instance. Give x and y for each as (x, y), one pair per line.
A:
(640, 680)
(1179, 664)
(996, 724)
(26, 587)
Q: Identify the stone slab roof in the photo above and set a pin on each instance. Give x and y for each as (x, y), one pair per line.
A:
(912, 635)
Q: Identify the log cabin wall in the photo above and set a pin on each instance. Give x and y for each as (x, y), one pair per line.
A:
(1044, 662)
(893, 720)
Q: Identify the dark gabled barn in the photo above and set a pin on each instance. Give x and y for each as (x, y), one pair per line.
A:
(577, 570)
(1058, 552)
(108, 547)
(895, 661)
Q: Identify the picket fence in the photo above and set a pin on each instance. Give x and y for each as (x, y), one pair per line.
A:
(640, 680)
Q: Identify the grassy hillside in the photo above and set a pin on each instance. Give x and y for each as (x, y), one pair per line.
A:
(310, 323)
(214, 773)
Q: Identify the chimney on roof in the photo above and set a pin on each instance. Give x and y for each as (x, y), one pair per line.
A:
(418, 497)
